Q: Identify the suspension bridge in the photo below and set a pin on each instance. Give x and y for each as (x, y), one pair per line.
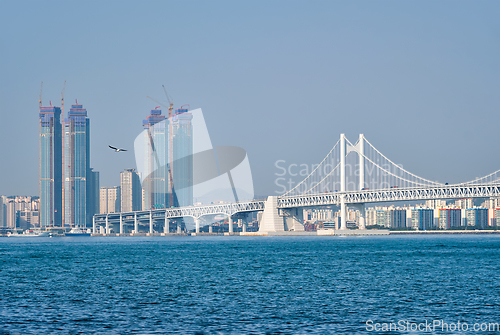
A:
(350, 175)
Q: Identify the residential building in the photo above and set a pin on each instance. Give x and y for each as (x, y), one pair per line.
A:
(131, 192)
(450, 218)
(477, 217)
(76, 171)
(109, 200)
(50, 166)
(422, 218)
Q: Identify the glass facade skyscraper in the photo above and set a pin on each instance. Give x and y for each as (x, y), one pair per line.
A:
(68, 187)
(155, 183)
(50, 166)
(76, 167)
(183, 157)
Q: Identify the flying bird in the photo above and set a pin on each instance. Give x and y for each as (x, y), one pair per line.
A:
(117, 149)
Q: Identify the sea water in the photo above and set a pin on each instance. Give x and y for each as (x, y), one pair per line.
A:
(249, 285)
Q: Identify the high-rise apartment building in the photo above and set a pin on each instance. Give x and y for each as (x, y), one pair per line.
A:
(76, 167)
(109, 200)
(131, 192)
(450, 218)
(50, 166)
(3, 211)
(69, 189)
(422, 218)
(477, 217)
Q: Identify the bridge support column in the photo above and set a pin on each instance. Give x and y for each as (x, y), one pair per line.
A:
(107, 224)
(343, 213)
(179, 228)
(230, 221)
(136, 224)
(197, 224)
(121, 224)
(361, 209)
(271, 221)
(342, 162)
(361, 161)
(166, 229)
(93, 225)
(244, 227)
(294, 219)
(150, 222)
(210, 229)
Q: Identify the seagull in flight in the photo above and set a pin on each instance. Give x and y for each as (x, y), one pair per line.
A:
(116, 149)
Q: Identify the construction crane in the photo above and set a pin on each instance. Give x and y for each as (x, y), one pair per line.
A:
(40, 99)
(170, 144)
(62, 98)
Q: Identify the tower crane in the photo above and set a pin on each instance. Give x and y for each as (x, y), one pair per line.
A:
(40, 98)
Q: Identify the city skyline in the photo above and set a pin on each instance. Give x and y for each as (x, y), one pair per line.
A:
(430, 73)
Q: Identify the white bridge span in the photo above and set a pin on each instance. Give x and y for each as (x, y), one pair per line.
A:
(351, 174)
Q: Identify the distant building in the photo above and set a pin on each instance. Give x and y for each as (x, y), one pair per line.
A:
(384, 218)
(50, 166)
(155, 182)
(450, 218)
(477, 217)
(398, 218)
(77, 173)
(92, 196)
(162, 189)
(182, 157)
(131, 191)
(109, 200)
(422, 218)
(464, 203)
(3, 212)
(11, 216)
(497, 216)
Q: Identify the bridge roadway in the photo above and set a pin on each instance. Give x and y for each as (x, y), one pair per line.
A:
(392, 194)
(288, 202)
(196, 212)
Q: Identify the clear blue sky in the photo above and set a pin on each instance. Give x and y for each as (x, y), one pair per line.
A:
(281, 79)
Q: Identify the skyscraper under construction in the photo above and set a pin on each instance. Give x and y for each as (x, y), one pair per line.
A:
(68, 186)
(50, 166)
(168, 160)
(79, 179)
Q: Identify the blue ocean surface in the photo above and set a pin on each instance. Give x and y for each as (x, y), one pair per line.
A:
(248, 285)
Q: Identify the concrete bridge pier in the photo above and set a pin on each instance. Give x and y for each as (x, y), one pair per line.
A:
(94, 231)
(121, 224)
(136, 224)
(166, 229)
(294, 219)
(343, 213)
(210, 229)
(179, 228)
(107, 225)
(197, 223)
(230, 221)
(150, 222)
(271, 221)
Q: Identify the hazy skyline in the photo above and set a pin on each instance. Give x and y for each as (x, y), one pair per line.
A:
(282, 80)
